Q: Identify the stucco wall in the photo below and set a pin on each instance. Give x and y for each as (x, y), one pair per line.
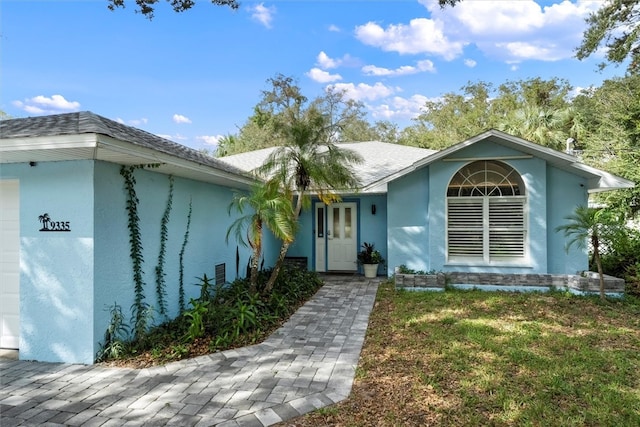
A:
(69, 279)
(408, 218)
(417, 213)
(205, 248)
(373, 228)
(566, 192)
(56, 267)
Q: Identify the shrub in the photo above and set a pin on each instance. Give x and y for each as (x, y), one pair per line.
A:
(224, 316)
(622, 259)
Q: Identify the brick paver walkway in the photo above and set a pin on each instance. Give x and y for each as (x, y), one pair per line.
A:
(307, 364)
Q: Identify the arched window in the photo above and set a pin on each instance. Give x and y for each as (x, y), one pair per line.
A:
(486, 214)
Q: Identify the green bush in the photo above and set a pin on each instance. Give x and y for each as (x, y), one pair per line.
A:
(622, 259)
(226, 316)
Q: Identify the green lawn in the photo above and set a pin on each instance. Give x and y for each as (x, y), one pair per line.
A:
(473, 358)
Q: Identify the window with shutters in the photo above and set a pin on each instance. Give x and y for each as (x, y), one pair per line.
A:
(486, 219)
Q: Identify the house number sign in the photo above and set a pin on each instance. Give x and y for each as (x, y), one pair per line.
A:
(49, 225)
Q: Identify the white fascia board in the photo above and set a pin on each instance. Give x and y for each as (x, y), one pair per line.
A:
(84, 140)
(153, 156)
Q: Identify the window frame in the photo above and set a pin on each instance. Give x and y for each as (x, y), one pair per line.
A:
(463, 226)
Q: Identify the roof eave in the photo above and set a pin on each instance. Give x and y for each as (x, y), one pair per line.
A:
(92, 146)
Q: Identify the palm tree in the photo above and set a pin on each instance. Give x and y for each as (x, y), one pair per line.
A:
(268, 207)
(307, 160)
(44, 219)
(596, 226)
(308, 164)
(544, 126)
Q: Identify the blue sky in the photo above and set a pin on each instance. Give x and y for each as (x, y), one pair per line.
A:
(194, 76)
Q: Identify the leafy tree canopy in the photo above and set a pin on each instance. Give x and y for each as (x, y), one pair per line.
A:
(534, 109)
(610, 117)
(616, 26)
(333, 118)
(147, 7)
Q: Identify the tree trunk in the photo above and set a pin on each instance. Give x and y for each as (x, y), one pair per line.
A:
(596, 256)
(253, 280)
(283, 251)
(276, 269)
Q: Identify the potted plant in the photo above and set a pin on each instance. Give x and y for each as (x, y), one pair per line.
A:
(370, 257)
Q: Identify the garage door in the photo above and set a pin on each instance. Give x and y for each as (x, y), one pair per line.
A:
(9, 264)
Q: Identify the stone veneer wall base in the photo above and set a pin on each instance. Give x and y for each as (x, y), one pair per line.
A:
(589, 282)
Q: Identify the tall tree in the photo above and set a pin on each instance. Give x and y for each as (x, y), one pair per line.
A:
(611, 116)
(147, 7)
(266, 206)
(616, 26)
(452, 118)
(307, 159)
(546, 127)
(534, 109)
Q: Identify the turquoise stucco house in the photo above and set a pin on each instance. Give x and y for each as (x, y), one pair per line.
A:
(488, 204)
(65, 242)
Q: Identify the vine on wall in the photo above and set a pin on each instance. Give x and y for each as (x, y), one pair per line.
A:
(140, 308)
(161, 291)
(181, 260)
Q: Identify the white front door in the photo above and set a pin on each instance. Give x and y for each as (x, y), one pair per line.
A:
(9, 264)
(342, 239)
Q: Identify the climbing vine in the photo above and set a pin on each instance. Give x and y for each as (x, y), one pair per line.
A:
(161, 291)
(140, 308)
(181, 260)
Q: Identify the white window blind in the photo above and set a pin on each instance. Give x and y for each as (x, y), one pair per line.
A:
(487, 225)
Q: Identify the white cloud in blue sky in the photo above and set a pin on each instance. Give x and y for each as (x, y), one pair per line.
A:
(420, 67)
(262, 14)
(180, 119)
(42, 104)
(211, 63)
(321, 76)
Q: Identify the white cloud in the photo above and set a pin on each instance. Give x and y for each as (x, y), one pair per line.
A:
(262, 14)
(321, 76)
(326, 63)
(470, 63)
(179, 118)
(421, 66)
(363, 91)
(421, 35)
(43, 105)
(176, 137)
(132, 122)
(138, 122)
(399, 108)
(334, 28)
(212, 140)
(498, 17)
(521, 50)
(511, 31)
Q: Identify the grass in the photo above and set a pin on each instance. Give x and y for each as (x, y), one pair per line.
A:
(470, 358)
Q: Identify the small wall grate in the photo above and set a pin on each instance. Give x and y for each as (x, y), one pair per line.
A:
(221, 274)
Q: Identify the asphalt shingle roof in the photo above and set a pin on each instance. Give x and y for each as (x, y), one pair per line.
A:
(87, 122)
(380, 159)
